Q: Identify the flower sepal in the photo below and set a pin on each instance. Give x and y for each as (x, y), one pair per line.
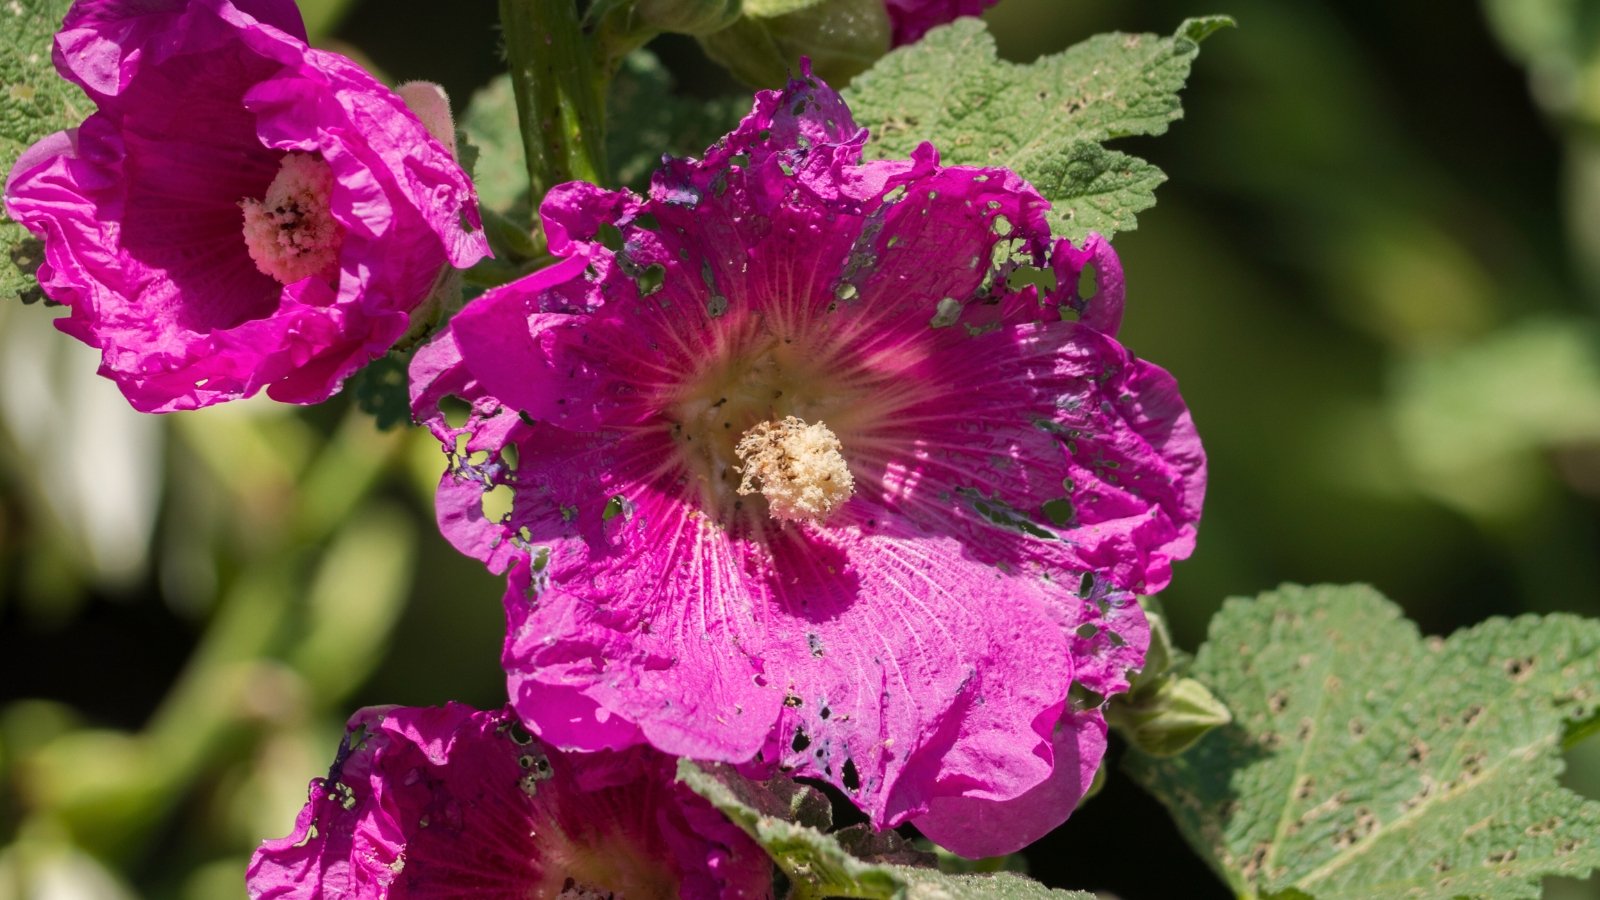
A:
(1164, 713)
(1170, 718)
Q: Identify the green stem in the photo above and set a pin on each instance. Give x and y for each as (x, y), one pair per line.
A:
(560, 92)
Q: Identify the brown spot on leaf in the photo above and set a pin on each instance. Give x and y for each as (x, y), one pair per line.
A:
(1520, 668)
(1540, 829)
(1252, 865)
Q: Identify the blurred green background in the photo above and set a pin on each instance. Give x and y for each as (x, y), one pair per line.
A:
(1375, 271)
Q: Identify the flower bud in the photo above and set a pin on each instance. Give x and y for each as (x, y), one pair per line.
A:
(1168, 719)
(1163, 714)
(687, 16)
(842, 38)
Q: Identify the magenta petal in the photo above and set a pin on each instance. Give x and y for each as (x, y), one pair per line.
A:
(1101, 310)
(566, 717)
(911, 19)
(102, 43)
(1073, 439)
(515, 347)
(454, 803)
(599, 618)
(1110, 637)
(139, 207)
(977, 828)
(574, 212)
(900, 687)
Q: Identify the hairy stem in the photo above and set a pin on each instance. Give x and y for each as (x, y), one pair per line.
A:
(560, 92)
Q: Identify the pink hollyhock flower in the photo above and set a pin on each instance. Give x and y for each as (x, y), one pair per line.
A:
(805, 471)
(453, 802)
(241, 211)
(911, 19)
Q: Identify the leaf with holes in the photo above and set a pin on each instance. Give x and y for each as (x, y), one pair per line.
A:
(817, 865)
(34, 102)
(1365, 761)
(1045, 121)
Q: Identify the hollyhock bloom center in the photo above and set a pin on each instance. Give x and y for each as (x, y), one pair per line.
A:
(291, 232)
(802, 478)
(766, 428)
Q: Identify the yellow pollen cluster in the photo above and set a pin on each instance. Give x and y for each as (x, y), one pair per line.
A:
(798, 467)
(290, 232)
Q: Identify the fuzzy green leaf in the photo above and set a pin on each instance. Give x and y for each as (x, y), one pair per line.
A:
(34, 102)
(1045, 120)
(1365, 761)
(818, 866)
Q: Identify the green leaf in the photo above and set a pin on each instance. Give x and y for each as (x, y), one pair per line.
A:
(1365, 761)
(1045, 121)
(500, 169)
(1476, 422)
(818, 866)
(646, 120)
(1559, 42)
(380, 390)
(34, 102)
